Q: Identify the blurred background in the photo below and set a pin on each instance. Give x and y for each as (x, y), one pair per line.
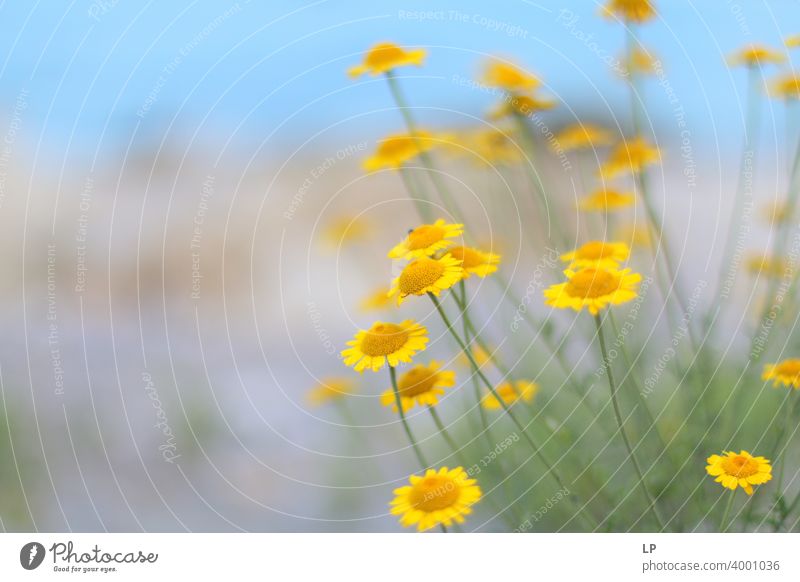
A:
(180, 185)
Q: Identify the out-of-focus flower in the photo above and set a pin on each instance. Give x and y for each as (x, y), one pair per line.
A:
(478, 353)
(637, 235)
(641, 61)
(509, 77)
(343, 230)
(792, 41)
(385, 342)
(395, 150)
(330, 389)
(525, 105)
(593, 289)
(786, 372)
(427, 275)
(426, 240)
(637, 11)
(510, 393)
(377, 300)
(384, 57)
(765, 265)
(421, 385)
(597, 253)
(777, 213)
(474, 261)
(740, 469)
(580, 136)
(439, 497)
(630, 157)
(756, 55)
(490, 146)
(605, 200)
(786, 87)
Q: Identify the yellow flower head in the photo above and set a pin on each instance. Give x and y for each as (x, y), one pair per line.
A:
(605, 200)
(490, 146)
(330, 389)
(630, 157)
(756, 55)
(580, 136)
(480, 355)
(395, 150)
(444, 496)
(426, 240)
(420, 385)
(427, 275)
(343, 230)
(385, 56)
(741, 469)
(511, 78)
(475, 262)
(792, 41)
(641, 61)
(637, 11)
(785, 373)
(524, 105)
(383, 342)
(593, 289)
(786, 87)
(510, 393)
(767, 266)
(377, 300)
(597, 253)
(777, 213)
(636, 234)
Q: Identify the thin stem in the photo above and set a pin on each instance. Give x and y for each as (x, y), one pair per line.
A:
(446, 436)
(420, 457)
(651, 504)
(723, 524)
(422, 203)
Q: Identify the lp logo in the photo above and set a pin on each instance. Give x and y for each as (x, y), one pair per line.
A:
(31, 555)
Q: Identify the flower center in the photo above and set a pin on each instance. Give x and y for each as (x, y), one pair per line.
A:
(470, 258)
(424, 236)
(435, 493)
(740, 466)
(592, 283)
(595, 250)
(419, 275)
(384, 53)
(416, 381)
(383, 339)
(790, 368)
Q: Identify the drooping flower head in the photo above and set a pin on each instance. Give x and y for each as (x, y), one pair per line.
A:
(597, 253)
(474, 261)
(581, 136)
(377, 300)
(385, 56)
(786, 87)
(741, 469)
(593, 289)
(421, 385)
(756, 55)
(427, 275)
(395, 150)
(637, 11)
(630, 157)
(786, 373)
(385, 342)
(329, 390)
(427, 239)
(444, 496)
(509, 77)
(510, 394)
(605, 200)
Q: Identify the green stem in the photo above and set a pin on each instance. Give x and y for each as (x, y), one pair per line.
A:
(422, 203)
(398, 402)
(723, 524)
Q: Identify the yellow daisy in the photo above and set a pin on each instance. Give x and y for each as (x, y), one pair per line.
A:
(490, 146)
(637, 235)
(637, 11)
(505, 75)
(597, 253)
(377, 300)
(786, 87)
(395, 150)
(741, 469)
(420, 385)
(786, 373)
(524, 105)
(510, 393)
(593, 289)
(605, 199)
(439, 497)
(792, 41)
(630, 157)
(481, 356)
(580, 136)
(342, 230)
(767, 266)
(427, 275)
(641, 61)
(475, 262)
(755, 55)
(425, 240)
(383, 342)
(330, 389)
(385, 56)
(778, 212)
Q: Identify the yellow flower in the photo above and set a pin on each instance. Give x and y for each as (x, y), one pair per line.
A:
(330, 389)
(510, 393)
(384, 342)
(395, 150)
(385, 56)
(786, 87)
(475, 262)
(630, 157)
(637, 235)
(596, 253)
(767, 266)
(524, 105)
(480, 355)
(425, 240)
(777, 213)
(641, 61)
(755, 55)
(638, 11)
(491, 146)
(743, 470)
(792, 41)
(444, 496)
(593, 289)
(347, 230)
(427, 275)
(377, 300)
(604, 200)
(579, 136)
(786, 372)
(504, 75)
(420, 385)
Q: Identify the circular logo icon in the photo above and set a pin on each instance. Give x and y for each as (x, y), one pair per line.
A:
(31, 555)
